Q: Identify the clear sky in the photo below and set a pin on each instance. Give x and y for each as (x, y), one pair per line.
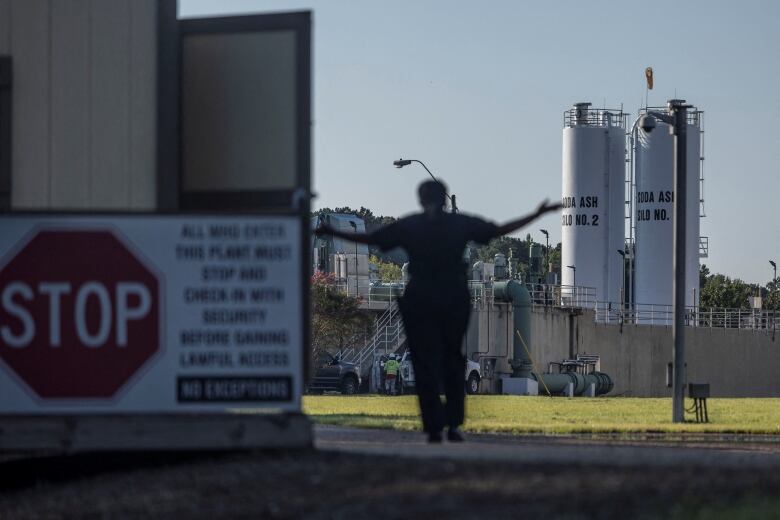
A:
(477, 89)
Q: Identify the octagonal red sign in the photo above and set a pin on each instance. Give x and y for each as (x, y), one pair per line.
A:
(79, 314)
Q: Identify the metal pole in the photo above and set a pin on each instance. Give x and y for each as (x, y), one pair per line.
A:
(354, 230)
(678, 111)
(573, 282)
(357, 277)
(546, 256)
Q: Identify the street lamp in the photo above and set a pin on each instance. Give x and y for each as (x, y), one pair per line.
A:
(573, 281)
(400, 163)
(354, 229)
(623, 279)
(677, 119)
(546, 252)
(774, 265)
(622, 287)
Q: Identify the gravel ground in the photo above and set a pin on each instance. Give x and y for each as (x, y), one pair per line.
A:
(320, 484)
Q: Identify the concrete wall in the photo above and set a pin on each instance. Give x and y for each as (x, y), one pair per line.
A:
(84, 110)
(736, 363)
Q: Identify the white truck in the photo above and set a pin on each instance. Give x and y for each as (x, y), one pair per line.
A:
(472, 377)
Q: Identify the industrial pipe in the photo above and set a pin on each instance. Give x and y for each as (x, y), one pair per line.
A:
(516, 293)
(557, 382)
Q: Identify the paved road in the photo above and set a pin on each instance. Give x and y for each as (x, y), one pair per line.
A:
(733, 452)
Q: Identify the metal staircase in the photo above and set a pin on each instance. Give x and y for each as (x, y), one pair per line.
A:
(389, 336)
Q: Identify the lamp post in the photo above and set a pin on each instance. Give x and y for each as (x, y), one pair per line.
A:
(622, 287)
(774, 266)
(354, 230)
(400, 163)
(574, 274)
(546, 252)
(623, 279)
(677, 119)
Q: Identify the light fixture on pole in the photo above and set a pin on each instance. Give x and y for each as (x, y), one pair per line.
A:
(622, 286)
(774, 266)
(622, 279)
(546, 252)
(354, 229)
(400, 163)
(677, 119)
(573, 281)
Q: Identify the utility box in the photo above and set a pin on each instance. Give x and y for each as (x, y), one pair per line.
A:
(519, 386)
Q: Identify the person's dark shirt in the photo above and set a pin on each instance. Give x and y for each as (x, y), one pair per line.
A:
(435, 247)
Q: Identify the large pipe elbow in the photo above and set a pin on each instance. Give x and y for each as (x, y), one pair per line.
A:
(512, 291)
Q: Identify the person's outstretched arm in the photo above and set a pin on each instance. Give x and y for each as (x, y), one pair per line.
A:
(360, 238)
(514, 225)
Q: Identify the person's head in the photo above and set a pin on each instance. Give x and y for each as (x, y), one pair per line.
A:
(433, 196)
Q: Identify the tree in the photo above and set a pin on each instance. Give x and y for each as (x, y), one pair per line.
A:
(704, 275)
(772, 300)
(555, 259)
(721, 291)
(337, 322)
(388, 271)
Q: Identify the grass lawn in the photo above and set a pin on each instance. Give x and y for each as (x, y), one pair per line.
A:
(514, 414)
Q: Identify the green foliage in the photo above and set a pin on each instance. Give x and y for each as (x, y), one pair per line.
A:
(388, 271)
(704, 274)
(515, 414)
(555, 259)
(337, 322)
(718, 290)
(721, 291)
(772, 298)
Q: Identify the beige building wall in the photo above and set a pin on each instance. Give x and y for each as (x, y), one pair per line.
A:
(84, 102)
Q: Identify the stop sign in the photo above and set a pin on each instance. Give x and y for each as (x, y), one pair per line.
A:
(79, 314)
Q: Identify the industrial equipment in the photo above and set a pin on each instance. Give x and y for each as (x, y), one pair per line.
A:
(574, 377)
(653, 197)
(593, 197)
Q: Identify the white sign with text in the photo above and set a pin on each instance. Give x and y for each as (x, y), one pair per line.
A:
(150, 313)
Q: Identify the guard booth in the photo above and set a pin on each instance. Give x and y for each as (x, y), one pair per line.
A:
(154, 188)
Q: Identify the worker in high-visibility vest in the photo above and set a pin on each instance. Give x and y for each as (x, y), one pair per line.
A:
(392, 366)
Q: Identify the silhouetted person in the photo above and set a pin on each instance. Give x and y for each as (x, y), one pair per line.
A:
(436, 304)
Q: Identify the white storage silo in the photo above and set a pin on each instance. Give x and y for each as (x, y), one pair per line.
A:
(653, 213)
(593, 215)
